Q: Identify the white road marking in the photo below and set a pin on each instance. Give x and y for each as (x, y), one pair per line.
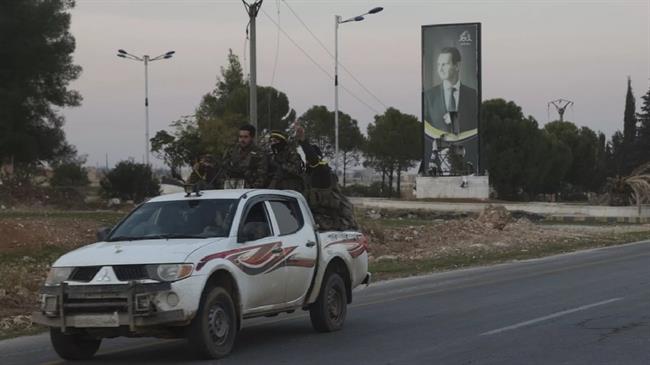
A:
(550, 316)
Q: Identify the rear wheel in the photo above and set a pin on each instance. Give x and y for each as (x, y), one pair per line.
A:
(77, 346)
(329, 311)
(214, 328)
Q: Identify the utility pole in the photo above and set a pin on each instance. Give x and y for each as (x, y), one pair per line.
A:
(252, 10)
(560, 105)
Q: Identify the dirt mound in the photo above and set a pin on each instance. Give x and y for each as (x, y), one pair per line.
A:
(459, 236)
(496, 216)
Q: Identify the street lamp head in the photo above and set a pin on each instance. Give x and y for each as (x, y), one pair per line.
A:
(121, 55)
(358, 18)
(121, 51)
(170, 53)
(375, 10)
(167, 56)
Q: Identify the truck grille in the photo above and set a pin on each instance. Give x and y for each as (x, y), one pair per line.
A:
(130, 272)
(96, 305)
(84, 273)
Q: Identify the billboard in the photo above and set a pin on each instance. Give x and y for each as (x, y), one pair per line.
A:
(451, 98)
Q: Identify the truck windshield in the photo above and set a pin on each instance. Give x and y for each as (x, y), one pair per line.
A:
(203, 218)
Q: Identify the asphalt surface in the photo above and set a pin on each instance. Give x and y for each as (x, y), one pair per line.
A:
(591, 307)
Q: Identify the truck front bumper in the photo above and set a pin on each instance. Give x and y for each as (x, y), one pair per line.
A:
(105, 306)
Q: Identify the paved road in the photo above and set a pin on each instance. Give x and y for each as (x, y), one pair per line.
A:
(591, 307)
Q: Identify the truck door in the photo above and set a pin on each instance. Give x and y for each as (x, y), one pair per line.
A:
(260, 258)
(299, 242)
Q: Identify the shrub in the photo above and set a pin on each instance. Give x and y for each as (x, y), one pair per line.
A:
(130, 181)
(70, 174)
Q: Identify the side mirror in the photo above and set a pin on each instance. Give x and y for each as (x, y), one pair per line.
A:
(102, 233)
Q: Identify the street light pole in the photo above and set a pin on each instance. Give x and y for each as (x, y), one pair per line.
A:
(337, 22)
(145, 59)
(146, 108)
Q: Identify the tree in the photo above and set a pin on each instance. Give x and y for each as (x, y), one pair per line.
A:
(616, 161)
(218, 117)
(130, 181)
(35, 70)
(318, 121)
(229, 100)
(182, 148)
(584, 144)
(492, 111)
(70, 174)
(394, 144)
(643, 140)
(629, 131)
(523, 160)
(629, 118)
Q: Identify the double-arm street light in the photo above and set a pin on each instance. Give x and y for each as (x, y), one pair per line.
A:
(146, 59)
(337, 21)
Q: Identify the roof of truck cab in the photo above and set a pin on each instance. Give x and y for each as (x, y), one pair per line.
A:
(221, 194)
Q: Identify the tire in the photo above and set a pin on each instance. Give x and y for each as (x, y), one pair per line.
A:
(213, 330)
(328, 312)
(77, 346)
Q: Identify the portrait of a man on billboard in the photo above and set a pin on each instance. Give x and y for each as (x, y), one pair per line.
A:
(450, 96)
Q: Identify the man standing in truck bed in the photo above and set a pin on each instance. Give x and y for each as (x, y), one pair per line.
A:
(286, 168)
(331, 209)
(244, 165)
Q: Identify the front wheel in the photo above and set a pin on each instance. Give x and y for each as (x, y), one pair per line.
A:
(330, 309)
(214, 328)
(77, 346)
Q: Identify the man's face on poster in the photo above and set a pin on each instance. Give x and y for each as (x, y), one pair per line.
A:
(447, 69)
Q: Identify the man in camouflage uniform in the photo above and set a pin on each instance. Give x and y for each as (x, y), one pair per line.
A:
(204, 173)
(244, 165)
(331, 209)
(286, 168)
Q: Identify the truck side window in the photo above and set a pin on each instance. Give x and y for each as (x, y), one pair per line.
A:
(288, 215)
(256, 225)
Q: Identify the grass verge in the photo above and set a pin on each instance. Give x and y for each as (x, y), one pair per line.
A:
(402, 268)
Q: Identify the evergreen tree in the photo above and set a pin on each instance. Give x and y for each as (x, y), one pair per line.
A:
(35, 70)
(629, 118)
(643, 139)
(628, 157)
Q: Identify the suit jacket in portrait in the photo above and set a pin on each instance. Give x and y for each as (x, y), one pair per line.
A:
(435, 108)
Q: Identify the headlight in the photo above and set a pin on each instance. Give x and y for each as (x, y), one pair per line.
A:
(170, 272)
(57, 275)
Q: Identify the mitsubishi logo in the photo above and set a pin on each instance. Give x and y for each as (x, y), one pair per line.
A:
(105, 276)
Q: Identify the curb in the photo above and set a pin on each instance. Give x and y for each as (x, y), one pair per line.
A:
(573, 219)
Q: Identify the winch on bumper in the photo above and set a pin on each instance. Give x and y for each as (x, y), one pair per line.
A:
(110, 305)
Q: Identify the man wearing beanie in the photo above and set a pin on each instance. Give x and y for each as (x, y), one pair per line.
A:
(285, 165)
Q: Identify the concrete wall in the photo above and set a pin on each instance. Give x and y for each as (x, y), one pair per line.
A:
(544, 209)
(449, 187)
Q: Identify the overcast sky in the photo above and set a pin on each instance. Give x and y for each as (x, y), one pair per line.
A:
(533, 52)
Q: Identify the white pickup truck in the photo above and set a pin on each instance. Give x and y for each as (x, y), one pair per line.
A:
(197, 265)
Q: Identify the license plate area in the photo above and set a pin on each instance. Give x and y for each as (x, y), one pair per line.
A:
(94, 320)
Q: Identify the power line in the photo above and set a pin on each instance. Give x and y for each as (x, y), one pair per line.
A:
(277, 45)
(317, 64)
(332, 56)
